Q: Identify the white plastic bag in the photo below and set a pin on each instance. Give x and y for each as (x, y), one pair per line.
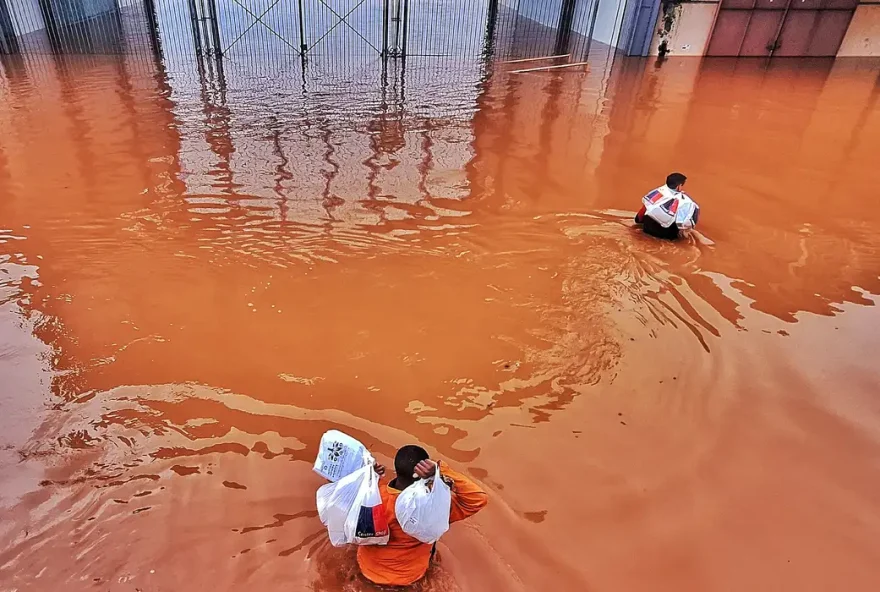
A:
(688, 214)
(666, 206)
(340, 455)
(352, 509)
(423, 509)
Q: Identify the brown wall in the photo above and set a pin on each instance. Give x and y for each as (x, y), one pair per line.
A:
(687, 28)
(863, 36)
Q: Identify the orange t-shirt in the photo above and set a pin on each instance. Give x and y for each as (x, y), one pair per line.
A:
(405, 559)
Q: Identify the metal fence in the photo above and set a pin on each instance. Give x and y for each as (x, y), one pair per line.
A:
(277, 30)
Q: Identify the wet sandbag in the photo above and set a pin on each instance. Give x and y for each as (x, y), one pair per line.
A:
(339, 455)
(423, 508)
(352, 509)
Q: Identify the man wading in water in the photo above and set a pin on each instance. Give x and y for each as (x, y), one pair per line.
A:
(405, 560)
(668, 210)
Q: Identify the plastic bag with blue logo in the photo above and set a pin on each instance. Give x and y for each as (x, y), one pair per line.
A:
(352, 509)
(688, 213)
(339, 455)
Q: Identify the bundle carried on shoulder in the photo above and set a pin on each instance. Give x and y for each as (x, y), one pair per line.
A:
(351, 506)
(667, 205)
(423, 508)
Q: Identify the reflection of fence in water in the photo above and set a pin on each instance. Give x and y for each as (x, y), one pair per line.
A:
(355, 140)
(262, 99)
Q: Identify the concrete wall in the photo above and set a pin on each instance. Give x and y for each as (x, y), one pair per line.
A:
(608, 21)
(863, 36)
(90, 8)
(685, 26)
(545, 12)
(26, 16)
(608, 17)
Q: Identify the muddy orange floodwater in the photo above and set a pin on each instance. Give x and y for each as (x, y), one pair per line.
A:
(200, 275)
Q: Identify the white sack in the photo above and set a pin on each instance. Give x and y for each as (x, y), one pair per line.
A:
(340, 455)
(352, 509)
(423, 508)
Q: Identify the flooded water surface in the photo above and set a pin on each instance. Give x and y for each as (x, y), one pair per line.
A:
(200, 273)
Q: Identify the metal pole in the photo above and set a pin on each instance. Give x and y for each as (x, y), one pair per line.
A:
(215, 28)
(405, 27)
(592, 27)
(385, 28)
(206, 39)
(303, 48)
(194, 21)
(563, 29)
(491, 25)
(8, 40)
(153, 26)
(394, 19)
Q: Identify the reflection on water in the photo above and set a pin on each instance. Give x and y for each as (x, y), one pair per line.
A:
(199, 274)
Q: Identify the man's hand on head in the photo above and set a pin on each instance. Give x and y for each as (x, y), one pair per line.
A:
(425, 469)
(380, 469)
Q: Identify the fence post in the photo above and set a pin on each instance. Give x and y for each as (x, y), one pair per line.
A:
(303, 47)
(215, 28)
(595, 8)
(563, 29)
(491, 25)
(203, 18)
(8, 40)
(385, 28)
(405, 27)
(194, 21)
(153, 26)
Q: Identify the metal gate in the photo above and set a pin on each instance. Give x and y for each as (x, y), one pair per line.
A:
(275, 27)
(270, 29)
(780, 27)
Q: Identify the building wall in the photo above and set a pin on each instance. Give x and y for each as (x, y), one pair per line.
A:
(685, 27)
(609, 16)
(608, 22)
(90, 8)
(545, 12)
(863, 36)
(27, 17)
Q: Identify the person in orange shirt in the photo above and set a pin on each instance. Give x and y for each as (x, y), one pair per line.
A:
(405, 560)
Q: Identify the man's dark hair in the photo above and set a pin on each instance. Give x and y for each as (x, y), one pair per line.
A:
(407, 458)
(675, 180)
